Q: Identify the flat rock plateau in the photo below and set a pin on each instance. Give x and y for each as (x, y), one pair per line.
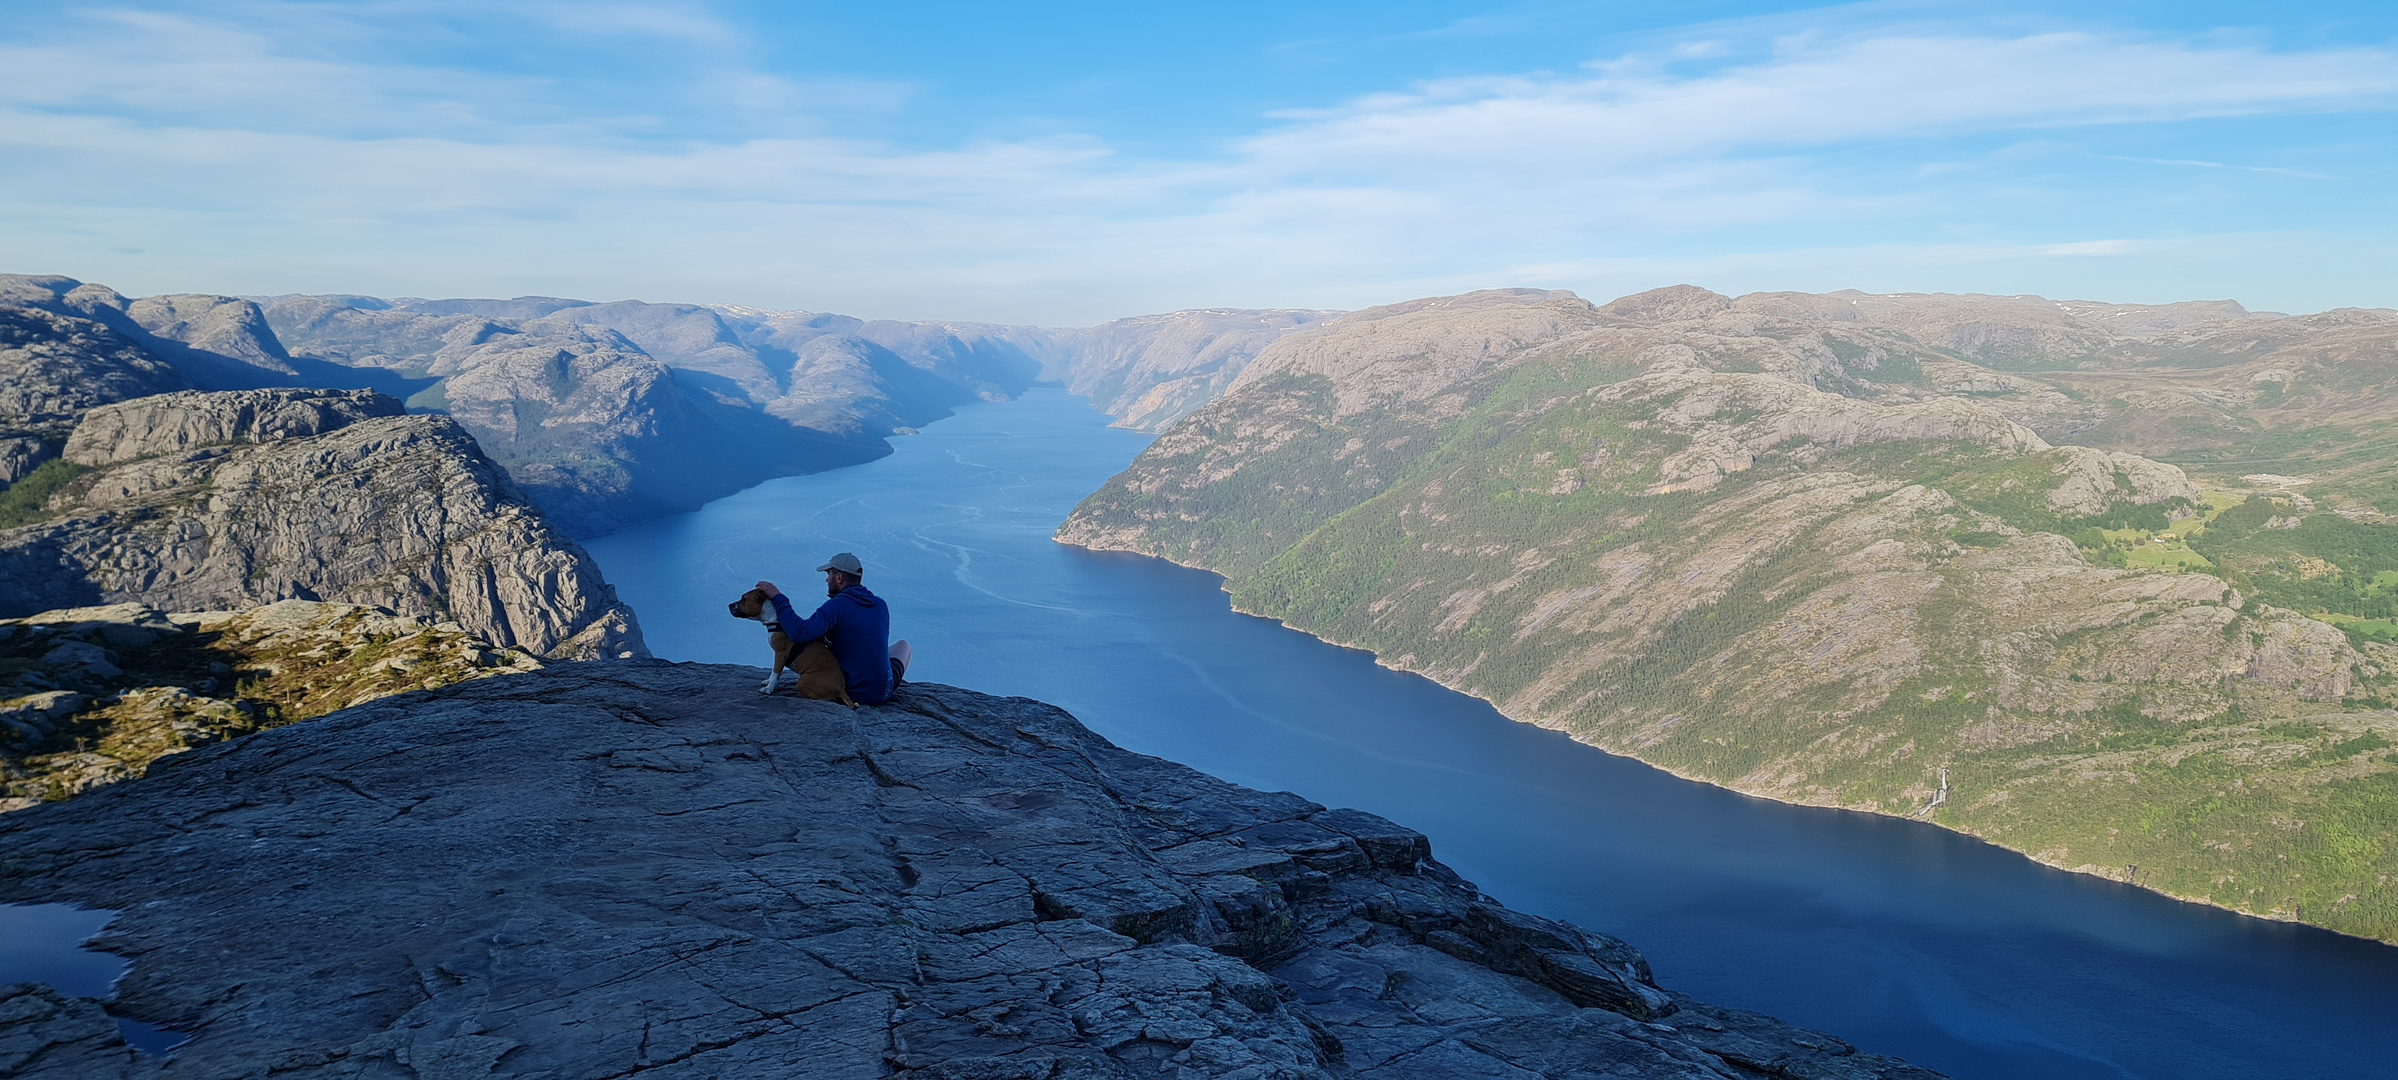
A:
(603, 869)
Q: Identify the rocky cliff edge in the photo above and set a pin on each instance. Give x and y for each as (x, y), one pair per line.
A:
(215, 501)
(642, 867)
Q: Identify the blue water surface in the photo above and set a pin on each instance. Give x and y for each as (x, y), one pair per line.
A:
(43, 943)
(1900, 937)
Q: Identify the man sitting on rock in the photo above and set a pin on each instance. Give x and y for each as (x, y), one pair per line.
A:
(855, 625)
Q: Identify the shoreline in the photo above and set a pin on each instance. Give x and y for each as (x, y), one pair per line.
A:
(1385, 663)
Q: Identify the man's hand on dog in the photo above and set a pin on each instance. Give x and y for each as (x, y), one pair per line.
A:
(768, 588)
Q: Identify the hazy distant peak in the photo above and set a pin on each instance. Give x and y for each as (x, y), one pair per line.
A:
(60, 295)
(522, 307)
(2160, 318)
(1478, 300)
(1673, 303)
(740, 311)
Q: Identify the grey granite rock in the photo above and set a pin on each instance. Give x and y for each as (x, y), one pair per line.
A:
(174, 423)
(608, 414)
(602, 870)
(53, 368)
(218, 342)
(354, 503)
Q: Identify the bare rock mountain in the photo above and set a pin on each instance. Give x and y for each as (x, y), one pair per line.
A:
(650, 869)
(202, 501)
(54, 368)
(612, 413)
(218, 342)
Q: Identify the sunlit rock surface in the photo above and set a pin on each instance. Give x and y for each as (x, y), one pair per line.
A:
(209, 501)
(640, 867)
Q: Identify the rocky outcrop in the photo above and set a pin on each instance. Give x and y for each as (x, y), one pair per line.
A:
(53, 369)
(175, 423)
(394, 511)
(116, 688)
(2091, 481)
(648, 868)
(218, 342)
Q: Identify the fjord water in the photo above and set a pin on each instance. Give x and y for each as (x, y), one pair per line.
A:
(1900, 937)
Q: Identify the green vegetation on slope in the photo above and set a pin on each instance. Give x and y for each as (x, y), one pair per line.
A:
(2321, 563)
(1835, 625)
(67, 725)
(26, 501)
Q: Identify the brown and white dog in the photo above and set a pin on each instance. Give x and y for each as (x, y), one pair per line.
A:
(810, 662)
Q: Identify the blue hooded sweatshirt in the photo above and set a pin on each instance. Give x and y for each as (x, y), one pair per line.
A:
(858, 627)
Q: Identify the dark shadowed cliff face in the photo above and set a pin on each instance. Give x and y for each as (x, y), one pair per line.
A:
(596, 871)
(200, 501)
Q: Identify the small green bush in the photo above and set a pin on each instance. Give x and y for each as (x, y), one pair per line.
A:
(24, 501)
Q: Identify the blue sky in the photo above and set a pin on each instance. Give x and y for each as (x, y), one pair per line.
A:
(1076, 162)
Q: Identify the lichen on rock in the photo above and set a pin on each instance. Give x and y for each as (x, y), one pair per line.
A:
(114, 689)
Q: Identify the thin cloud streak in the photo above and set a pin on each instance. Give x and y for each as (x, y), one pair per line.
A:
(2225, 165)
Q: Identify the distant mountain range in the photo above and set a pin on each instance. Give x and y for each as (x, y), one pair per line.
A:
(1921, 555)
(2114, 585)
(606, 413)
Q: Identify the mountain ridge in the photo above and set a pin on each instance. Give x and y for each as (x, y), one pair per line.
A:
(1655, 525)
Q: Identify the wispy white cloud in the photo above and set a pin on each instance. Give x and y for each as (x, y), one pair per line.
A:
(2090, 249)
(2187, 163)
(1813, 94)
(290, 163)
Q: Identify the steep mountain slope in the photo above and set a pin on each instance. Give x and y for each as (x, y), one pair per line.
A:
(1152, 370)
(1656, 526)
(218, 342)
(203, 501)
(601, 434)
(614, 413)
(645, 868)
